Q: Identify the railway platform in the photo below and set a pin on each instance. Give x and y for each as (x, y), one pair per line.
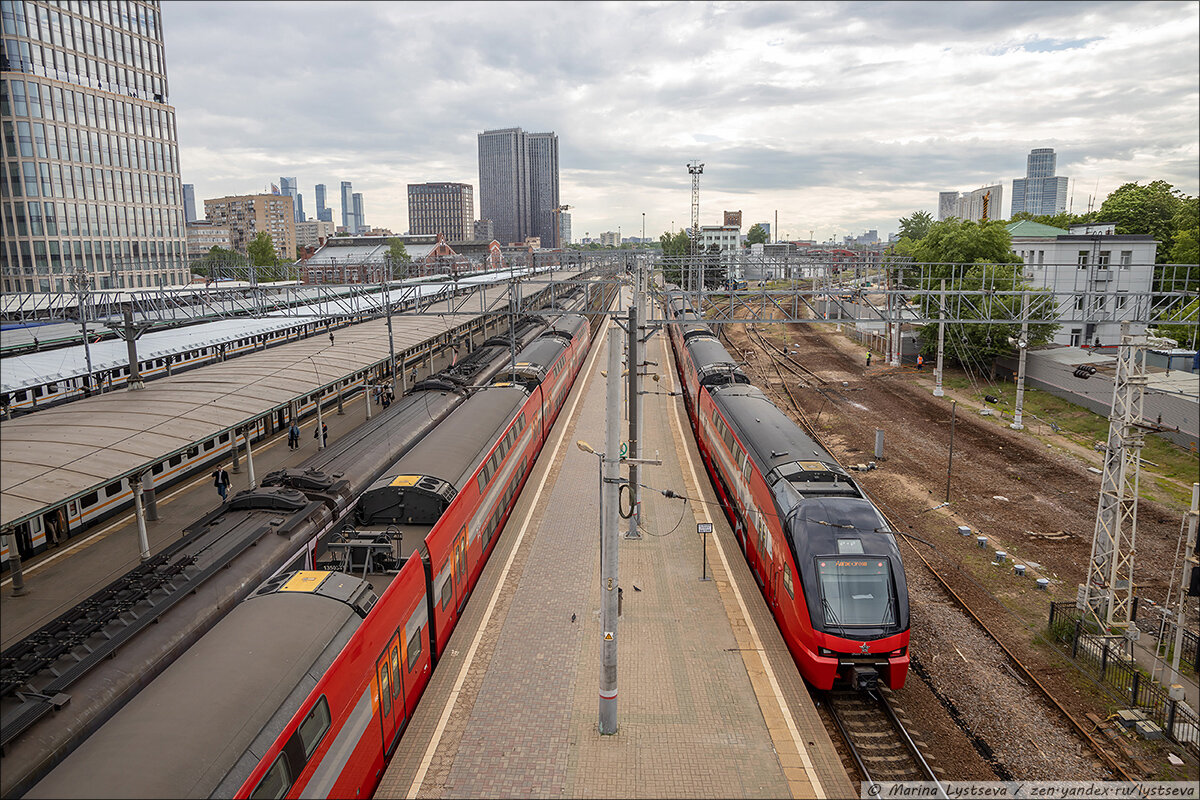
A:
(710, 703)
(60, 578)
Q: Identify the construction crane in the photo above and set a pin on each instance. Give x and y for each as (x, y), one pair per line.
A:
(557, 212)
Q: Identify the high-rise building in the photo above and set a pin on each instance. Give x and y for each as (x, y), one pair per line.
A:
(248, 215)
(543, 187)
(324, 212)
(189, 203)
(289, 187)
(504, 183)
(564, 228)
(348, 207)
(1040, 192)
(518, 184)
(986, 202)
(445, 208)
(88, 128)
(356, 202)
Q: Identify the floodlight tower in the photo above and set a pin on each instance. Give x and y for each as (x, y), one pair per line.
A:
(695, 169)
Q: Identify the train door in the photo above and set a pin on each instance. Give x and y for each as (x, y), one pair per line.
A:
(391, 694)
(460, 568)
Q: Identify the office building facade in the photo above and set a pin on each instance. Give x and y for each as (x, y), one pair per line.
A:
(485, 230)
(89, 149)
(564, 229)
(1040, 192)
(248, 215)
(348, 207)
(518, 184)
(189, 203)
(324, 212)
(356, 206)
(313, 232)
(442, 208)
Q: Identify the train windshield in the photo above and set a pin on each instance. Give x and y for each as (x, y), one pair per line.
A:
(857, 592)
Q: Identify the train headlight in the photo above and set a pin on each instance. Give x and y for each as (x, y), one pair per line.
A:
(897, 653)
(825, 651)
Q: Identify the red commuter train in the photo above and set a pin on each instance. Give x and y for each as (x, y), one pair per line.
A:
(822, 554)
(306, 687)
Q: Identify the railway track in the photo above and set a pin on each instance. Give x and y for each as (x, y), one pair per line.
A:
(876, 738)
(775, 355)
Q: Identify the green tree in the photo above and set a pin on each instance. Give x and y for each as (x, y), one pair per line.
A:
(1156, 209)
(1186, 335)
(916, 226)
(219, 263)
(397, 256)
(675, 244)
(756, 235)
(977, 259)
(262, 250)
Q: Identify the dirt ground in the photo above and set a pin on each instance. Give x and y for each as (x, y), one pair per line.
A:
(1013, 487)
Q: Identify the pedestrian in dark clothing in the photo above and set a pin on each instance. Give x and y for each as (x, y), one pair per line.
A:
(412, 379)
(323, 434)
(221, 481)
(868, 358)
(294, 437)
(331, 337)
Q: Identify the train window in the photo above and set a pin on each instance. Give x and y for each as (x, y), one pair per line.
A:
(174, 460)
(157, 468)
(787, 581)
(37, 392)
(20, 396)
(276, 782)
(395, 671)
(314, 727)
(193, 452)
(414, 648)
(447, 589)
(849, 547)
(385, 688)
(224, 437)
(209, 445)
(51, 388)
(112, 488)
(89, 500)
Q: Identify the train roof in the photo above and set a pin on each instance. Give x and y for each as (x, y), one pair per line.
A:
(772, 439)
(708, 354)
(196, 720)
(456, 446)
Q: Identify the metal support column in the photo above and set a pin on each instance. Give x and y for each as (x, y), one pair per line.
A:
(149, 495)
(8, 543)
(633, 395)
(1023, 348)
(247, 431)
(609, 572)
(143, 540)
(937, 384)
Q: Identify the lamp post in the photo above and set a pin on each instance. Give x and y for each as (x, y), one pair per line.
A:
(643, 242)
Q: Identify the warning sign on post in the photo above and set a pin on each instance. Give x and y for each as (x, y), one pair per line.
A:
(608, 637)
(703, 527)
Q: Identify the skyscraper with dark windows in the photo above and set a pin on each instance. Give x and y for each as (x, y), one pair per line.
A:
(518, 184)
(1040, 192)
(324, 212)
(356, 203)
(189, 202)
(89, 148)
(348, 207)
(289, 187)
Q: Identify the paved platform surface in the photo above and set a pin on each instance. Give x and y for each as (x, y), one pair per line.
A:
(710, 703)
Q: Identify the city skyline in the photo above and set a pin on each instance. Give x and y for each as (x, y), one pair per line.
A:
(841, 117)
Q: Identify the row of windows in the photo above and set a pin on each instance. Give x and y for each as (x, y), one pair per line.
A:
(1100, 302)
(84, 219)
(1103, 258)
(46, 285)
(127, 15)
(135, 191)
(84, 109)
(493, 463)
(60, 143)
(76, 68)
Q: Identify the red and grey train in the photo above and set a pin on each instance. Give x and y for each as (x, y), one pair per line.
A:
(305, 688)
(822, 554)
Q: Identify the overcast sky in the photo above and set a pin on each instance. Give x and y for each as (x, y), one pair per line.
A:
(841, 117)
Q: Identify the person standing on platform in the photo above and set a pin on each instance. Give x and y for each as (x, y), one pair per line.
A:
(294, 437)
(412, 379)
(323, 434)
(221, 481)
